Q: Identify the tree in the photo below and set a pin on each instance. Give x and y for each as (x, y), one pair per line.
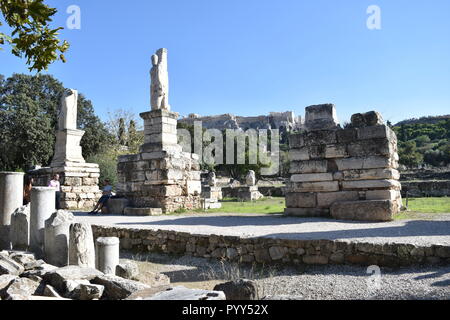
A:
(31, 35)
(409, 155)
(28, 118)
(121, 134)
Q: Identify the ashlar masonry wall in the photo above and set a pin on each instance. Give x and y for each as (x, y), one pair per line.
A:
(348, 174)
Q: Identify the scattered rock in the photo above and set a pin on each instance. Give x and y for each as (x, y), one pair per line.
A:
(91, 292)
(127, 269)
(51, 292)
(20, 287)
(9, 266)
(239, 290)
(182, 293)
(5, 281)
(58, 277)
(117, 288)
(146, 293)
(24, 258)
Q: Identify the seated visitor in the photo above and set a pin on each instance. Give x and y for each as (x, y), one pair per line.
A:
(107, 194)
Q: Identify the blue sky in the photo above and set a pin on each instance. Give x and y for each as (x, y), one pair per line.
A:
(250, 57)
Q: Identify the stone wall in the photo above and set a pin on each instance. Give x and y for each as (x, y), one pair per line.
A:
(161, 175)
(346, 173)
(79, 184)
(267, 251)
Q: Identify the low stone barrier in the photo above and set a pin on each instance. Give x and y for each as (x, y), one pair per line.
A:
(269, 251)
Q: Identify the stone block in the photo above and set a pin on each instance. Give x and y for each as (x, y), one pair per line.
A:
(372, 162)
(371, 184)
(297, 140)
(311, 166)
(143, 211)
(336, 151)
(194, 187)
(320, 117)
(326, 199)
(368, 119)
(321, 137)
(326, 186)
(346, 136)
(377, 132)
(371, 174)
(301, 200)
(371, 147)
(117, 205)
(383, 195)
(299, 154)
(375, 210)
(312, 177)
(307, 212)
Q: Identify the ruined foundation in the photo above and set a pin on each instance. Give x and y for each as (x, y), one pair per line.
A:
(349, 174)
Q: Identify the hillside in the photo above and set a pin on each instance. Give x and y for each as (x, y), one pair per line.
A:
(424, 141)
(424, 120)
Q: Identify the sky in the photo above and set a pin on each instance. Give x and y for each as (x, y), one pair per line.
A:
(252, 57)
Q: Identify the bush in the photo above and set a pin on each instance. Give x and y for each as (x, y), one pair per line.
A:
(108, 167)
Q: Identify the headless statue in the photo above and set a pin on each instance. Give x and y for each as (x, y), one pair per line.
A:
(159, 81)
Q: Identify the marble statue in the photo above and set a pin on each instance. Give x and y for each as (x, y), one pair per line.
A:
(67, 117)
(159, 81)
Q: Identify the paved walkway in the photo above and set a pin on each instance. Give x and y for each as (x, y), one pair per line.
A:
(420, 232)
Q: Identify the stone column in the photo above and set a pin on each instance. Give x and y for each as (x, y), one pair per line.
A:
(81, 246)
(107, 254)
(20, 228)
(11, 198)
(42, 207)
(57, 231)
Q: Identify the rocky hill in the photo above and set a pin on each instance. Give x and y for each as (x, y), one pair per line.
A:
(424, 120)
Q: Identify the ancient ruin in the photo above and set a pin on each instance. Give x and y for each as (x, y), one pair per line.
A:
(344, 173)
(249, 192)
(211, 193)
(161, 178)
(79, 180)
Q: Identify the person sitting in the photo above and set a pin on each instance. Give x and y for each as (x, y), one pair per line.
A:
(29, 181)
(107, 194)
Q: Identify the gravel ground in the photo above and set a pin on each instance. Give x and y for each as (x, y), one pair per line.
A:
(306, 282)
(419, 232)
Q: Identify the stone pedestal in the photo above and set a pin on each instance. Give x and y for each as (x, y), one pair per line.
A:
(81, 246)
(79, 184)
(107, 255)
(79, 180)
(349, 173)
(117, 206)
(11, 198)
(42, 207)
(211, 197)
(249, 193)
(20, 229)
(161, 175)
(68, 147)
(57, 232)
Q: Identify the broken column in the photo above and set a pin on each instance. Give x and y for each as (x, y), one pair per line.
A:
(250, 191)
(20, 229)
(79, 180)
(11, 198)
(57, 231)
(346, 173)
(42, 207)
(161, 176)
(107, 254)
(81, 246)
